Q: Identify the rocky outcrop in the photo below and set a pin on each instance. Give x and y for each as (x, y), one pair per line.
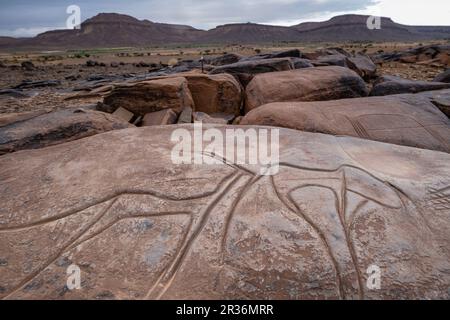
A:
(218, 93)
(440, 98)
(311, 84)
(245, 70)
(140, 227)
(388, 85)
(443, 77)
(225, 59)
(410, 120)
(151, 96)
(39, 131)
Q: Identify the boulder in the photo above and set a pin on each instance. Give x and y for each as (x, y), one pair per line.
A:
(311, 84)
(362, 65)
(150, 96)
(409, 120)
(218, 93)
(245, 70)
(34, 132)
(228, 58)
(300, 63)
(440, 98)
(160, 118)
(123, 114)
(333, 60)
(186, 116)
(28, 66)
(140, 227)
(388, 85)
(443, 77)
(293, 53)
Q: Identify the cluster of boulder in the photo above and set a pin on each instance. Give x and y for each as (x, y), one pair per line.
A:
(285, 89)
(141, 227)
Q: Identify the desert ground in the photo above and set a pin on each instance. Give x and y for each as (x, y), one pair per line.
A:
(70, 70)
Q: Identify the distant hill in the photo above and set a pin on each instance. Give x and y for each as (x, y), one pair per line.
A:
(354, 28)
(118, 30)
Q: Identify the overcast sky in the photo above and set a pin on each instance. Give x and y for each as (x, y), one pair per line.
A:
(29, 17)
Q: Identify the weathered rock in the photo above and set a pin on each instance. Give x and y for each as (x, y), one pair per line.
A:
(54, 128)
(150, 96)
(140, 227)
(443, 77)
(334, 60)
(440, 98)
(388, 85)
(219, 93)
(311, 84)
(293, 53)
(410, 120)
(228, 58)
(362, 65)
(213, 118)
(186, 116)
(301, 63)
(13, 93)
(245, 70)
(123, 114)
(28, 65)
(160, 118)
(8, 118)
(38, 84)
(419, 54)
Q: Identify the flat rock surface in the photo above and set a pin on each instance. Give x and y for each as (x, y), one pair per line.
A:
(37, 130)
(410, 120)
(388, 85)
(141, 228)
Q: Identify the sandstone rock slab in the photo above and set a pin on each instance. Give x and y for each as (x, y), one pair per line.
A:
(152, 95)
(219, 93)
(409, 120)
(159, 118)
(245, 70)
(388, 85)
(310, 84)
(39, 131)
(139, 227)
